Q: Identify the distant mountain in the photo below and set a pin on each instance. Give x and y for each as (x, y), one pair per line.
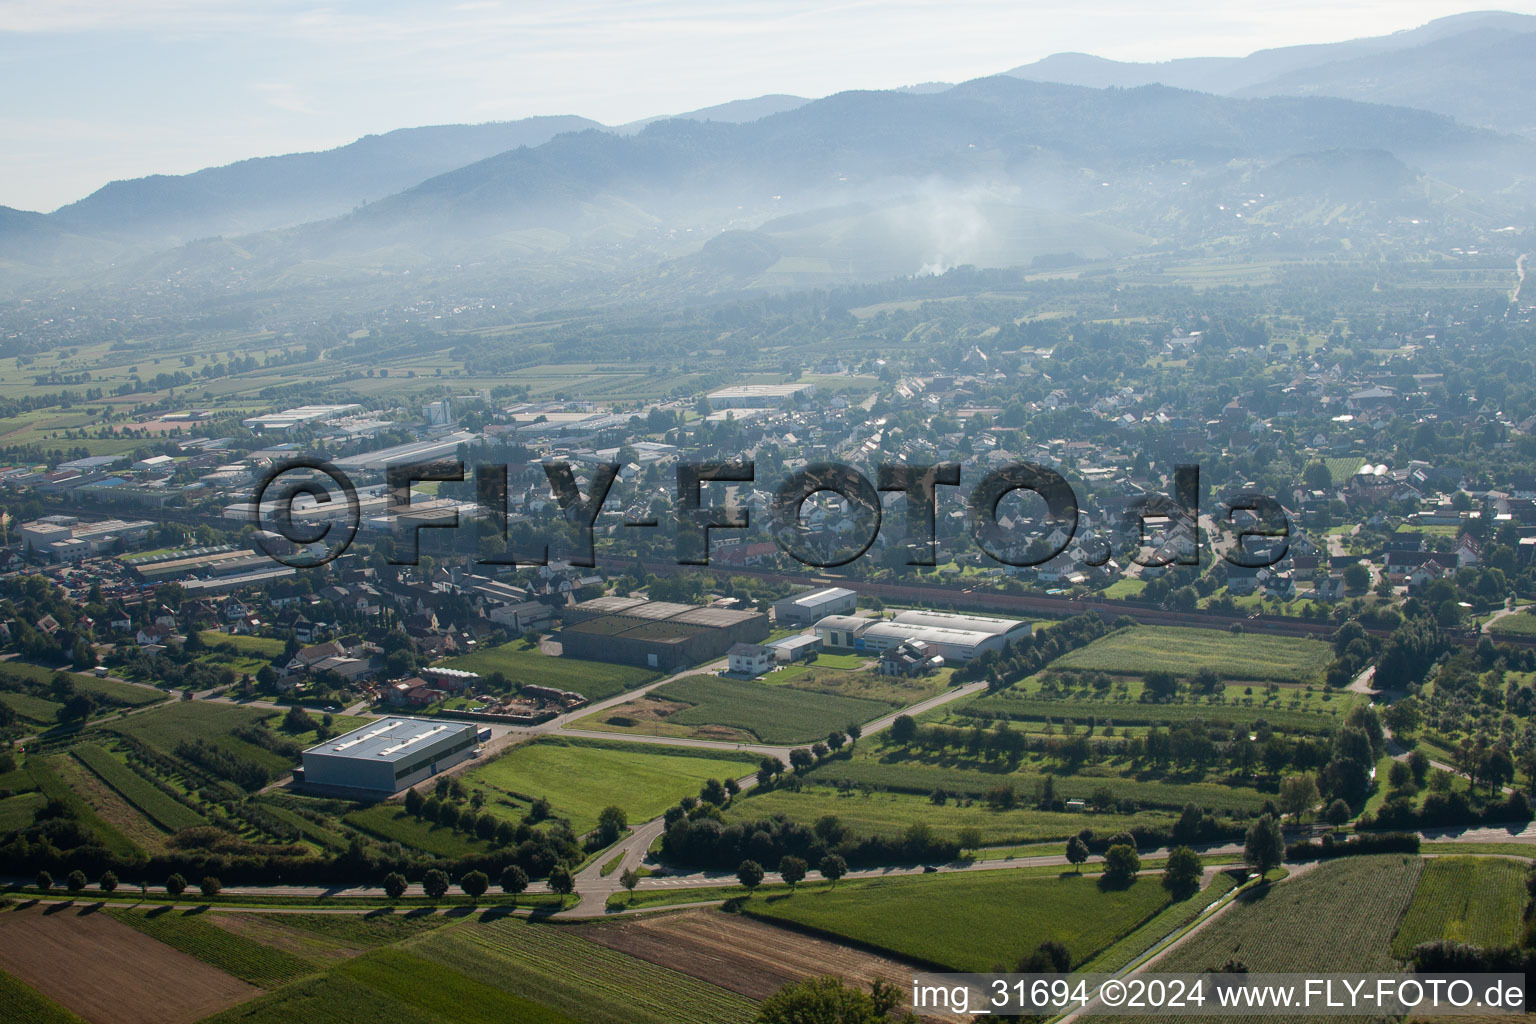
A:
(1290, 70)
(995, 170)
(1484, 77)
(734, 112)
(278, 191)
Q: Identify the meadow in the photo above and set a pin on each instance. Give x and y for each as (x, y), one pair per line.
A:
(1290, 711)
(1137, 650)
(165, 727)
(580, 778)
(26, 1005)
(595, 680)
(391, 823)
(1477, 900)
(774, 714)
(970, 921)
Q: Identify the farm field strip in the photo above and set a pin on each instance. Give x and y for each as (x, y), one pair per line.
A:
(1477, 900)
(169, 814)
(1183, 651)
(595, 984)
(773, 714)
(231, 953)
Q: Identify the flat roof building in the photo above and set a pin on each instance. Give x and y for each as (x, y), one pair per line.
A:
(812, 606)
(758, 396)
(388, 755)
(952, 636)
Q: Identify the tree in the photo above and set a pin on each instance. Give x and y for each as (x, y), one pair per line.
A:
(1264, 846)
(1337, 813)
(827, 1000)
(750, 874)
(801, 759)
(75, 881)
(210, 887)
(1298, 794)
(1418, 763)
(561, 881)
(44, 881)
(1050, 957)
(175, 885)
(832, 867)
(1182, 871)
(1077, 852)
(513, 880)
(611, 823)
(1160, 685)
(1121, 863)
(474, 884)
(394, 885)
(629, 879)
(969, 838)
(435, 883)
(792, 870)
(1356, 577)
(413, 803)
(903, 729)
(713, 792)
(108, 882)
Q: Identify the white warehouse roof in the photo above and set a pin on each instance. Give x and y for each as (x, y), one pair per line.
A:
(388, 740)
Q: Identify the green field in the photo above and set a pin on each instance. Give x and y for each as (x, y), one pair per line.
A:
(233, 954)
(595, 680)
(971, 921)
(922, 773)
(265, 648)
(1477, 900)
(590, 983)
(774, 714)
(889, 814)
(25, 1005)
(390, 822)
(33, 709)
(169, 814)
(16, 811)
(1340, 916)
(1291, 711)
(165, 727)
(1518, 624)
(1173, 917)
(1137, 650)
(580, 778)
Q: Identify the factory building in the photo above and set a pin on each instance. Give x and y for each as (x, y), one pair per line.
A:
(388, 755)
(799, 610)
(951, 636)
(656, 634)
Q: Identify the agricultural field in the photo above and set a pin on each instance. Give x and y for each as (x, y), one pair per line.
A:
(900, 691)
(923, 772)
(579, 778)
(595, 680)
(1477, 900)
(1518, 624)
(391, 823)
(16, 811)
(715, 707)
(1137, 650)
(46, 773)
(325, 937)
(115, 974)
(1177, 915)
(970, 921)
(109, 806)
(331, 998)
(889, 815)
(1338, 916)
(1290, 709)
(233, 954)
(26, 1005)
(740, 953)
(169, 814)
(580, 979)
(165, 727)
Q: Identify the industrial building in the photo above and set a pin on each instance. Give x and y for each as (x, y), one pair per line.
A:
(388, 755)
(67, 539)
(656, 634)
(758, 396)
(951, 636)
(799, 610)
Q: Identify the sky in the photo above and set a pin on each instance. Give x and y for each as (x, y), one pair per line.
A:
(97, 90)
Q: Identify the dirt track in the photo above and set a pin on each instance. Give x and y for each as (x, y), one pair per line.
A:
(108, 973)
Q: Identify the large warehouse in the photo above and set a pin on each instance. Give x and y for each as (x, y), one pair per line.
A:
(656, 634)
(954, 636)
(389, 755)
(812, 606)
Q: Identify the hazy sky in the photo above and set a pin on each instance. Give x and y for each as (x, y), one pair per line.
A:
(102, 89)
